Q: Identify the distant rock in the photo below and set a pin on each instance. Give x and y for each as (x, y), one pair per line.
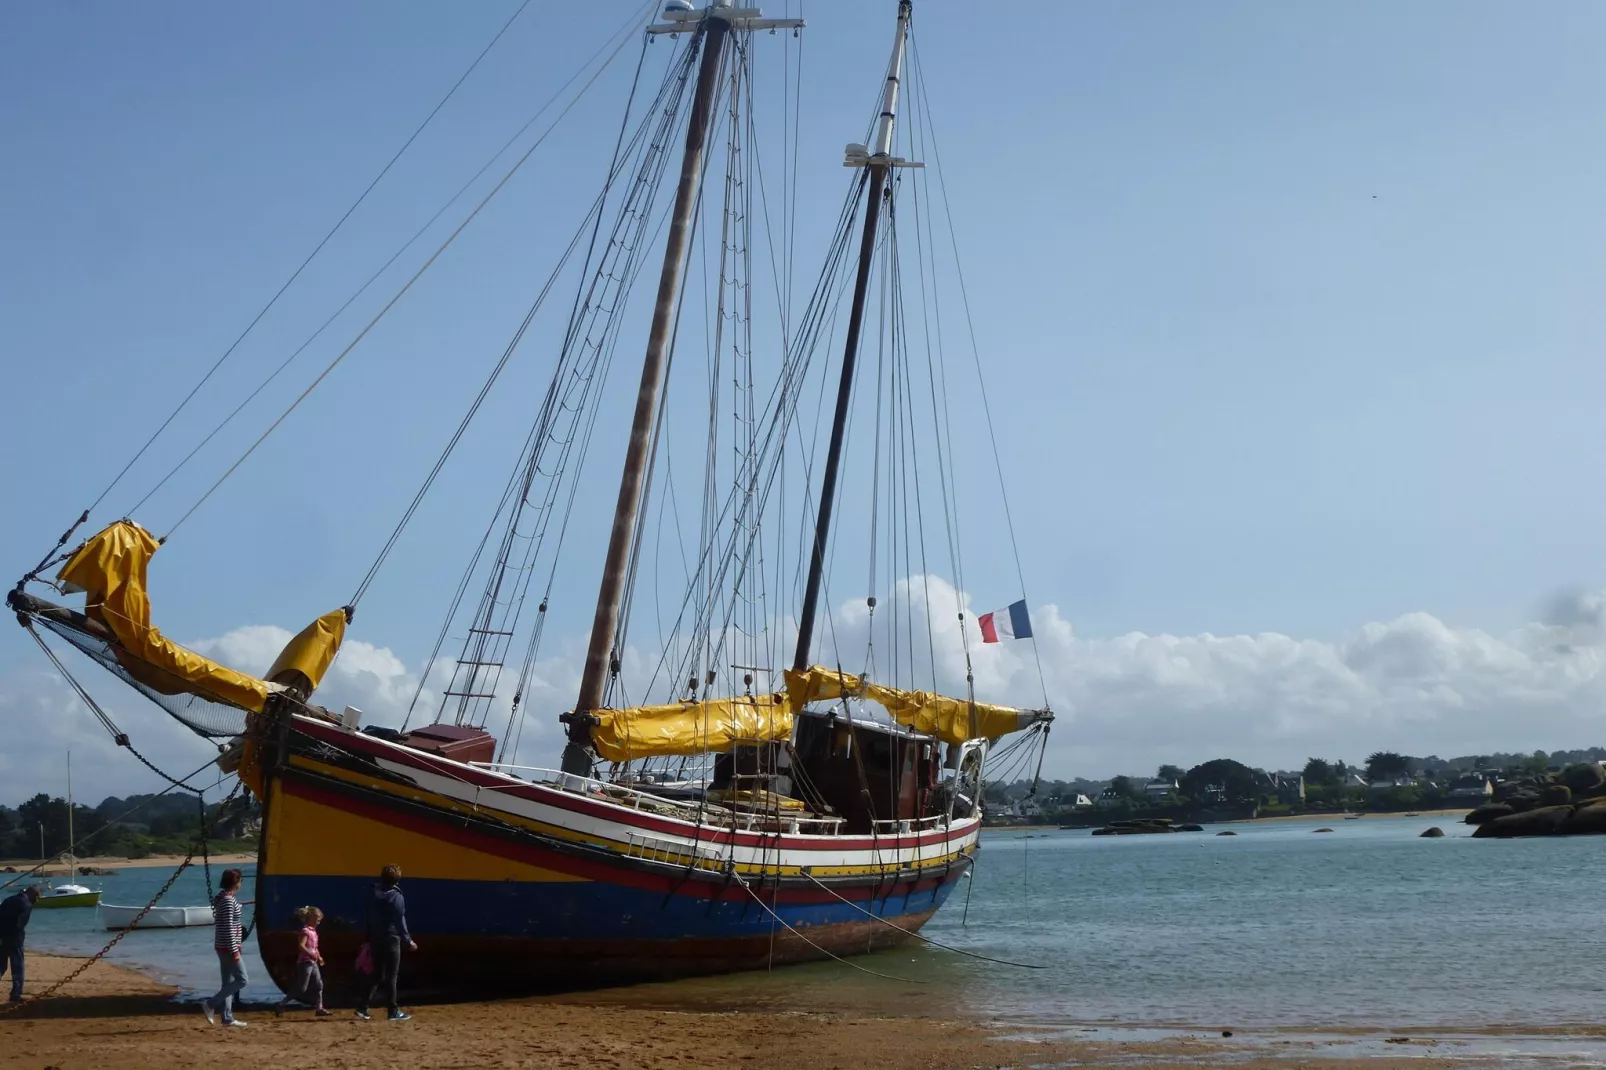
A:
(1324, 828)
(1558, 795)
(1583, 777)
(1587, 820)
(1488, 813)
(1229, 832)
(1433, 833)
(1545, 821)
(1190, 828)
(1139, 826)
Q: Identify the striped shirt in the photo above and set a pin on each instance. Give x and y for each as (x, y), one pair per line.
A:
(226, 922)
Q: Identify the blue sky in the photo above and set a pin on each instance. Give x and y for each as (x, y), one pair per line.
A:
(1289, 317)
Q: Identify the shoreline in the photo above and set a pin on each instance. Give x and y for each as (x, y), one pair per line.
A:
(1340, 815)
(12, 868)
(114, 1015)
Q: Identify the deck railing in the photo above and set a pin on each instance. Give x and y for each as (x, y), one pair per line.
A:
(709, 813)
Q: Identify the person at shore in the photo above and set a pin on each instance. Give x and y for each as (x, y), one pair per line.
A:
(309, 965)
(14, 915)
(226, 940)
(387, 932)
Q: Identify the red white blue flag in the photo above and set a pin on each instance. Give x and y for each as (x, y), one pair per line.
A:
(1011, 623)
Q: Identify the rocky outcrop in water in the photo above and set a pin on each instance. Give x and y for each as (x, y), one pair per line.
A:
(1144, 826)
(1569, 803)
(1433, 833)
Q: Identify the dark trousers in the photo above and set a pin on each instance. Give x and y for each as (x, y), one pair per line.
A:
(387, 964)
(11, 955)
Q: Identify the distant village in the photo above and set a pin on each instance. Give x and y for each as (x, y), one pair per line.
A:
(1386, 782)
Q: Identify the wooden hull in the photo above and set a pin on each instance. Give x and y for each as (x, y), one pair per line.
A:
(518, 886)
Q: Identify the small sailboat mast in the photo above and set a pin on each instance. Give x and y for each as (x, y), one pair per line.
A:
(72, 862)
(714, 24)
(879, 163)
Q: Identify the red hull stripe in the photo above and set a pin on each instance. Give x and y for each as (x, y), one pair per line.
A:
(567, 801)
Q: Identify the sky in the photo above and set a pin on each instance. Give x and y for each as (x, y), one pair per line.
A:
(1288, 319)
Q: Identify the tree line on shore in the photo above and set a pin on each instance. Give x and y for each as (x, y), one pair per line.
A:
(134, 827)
(1386, 781)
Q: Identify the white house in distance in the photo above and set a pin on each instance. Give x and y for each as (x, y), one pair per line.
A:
(1475, 786)
(1160, 790)
(1109, 799)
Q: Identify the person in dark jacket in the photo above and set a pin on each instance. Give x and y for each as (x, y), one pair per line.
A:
(14, 915)
(387, 932)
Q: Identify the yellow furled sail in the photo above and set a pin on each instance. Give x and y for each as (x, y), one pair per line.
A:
(688, 728)
(312, 651)
(952, 720)
(110, 570)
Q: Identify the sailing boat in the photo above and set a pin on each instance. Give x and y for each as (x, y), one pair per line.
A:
(828, 814)
(59, 896)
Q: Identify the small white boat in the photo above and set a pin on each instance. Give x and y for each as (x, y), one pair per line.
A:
(67, 895)
(115, 917)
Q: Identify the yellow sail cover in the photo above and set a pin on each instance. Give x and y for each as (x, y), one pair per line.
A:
(312, 651)
(952, 720)
(110, 570)
(687, 728)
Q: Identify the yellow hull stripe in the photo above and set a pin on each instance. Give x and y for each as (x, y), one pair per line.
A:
(308, 838)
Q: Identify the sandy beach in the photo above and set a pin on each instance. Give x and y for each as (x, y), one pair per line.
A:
(117, 1017)
(1437, 815)
(11, 868)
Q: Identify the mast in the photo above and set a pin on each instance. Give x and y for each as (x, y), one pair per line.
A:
(72, 863)
(879, 160)
(714, 24)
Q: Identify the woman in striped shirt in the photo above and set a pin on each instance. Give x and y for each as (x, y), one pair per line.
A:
(226, 941)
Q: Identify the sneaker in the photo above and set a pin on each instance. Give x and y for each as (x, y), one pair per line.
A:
(364, 1015)
(235, 1023)
(206, 1009)
(321, 1013)
(399, 1016)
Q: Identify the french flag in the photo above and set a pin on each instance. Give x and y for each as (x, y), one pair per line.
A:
(1011, 623)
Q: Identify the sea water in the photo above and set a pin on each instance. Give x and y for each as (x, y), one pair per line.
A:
(1278, 927)
(180, 957)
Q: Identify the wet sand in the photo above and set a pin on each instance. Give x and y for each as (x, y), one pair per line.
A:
(117, 1017)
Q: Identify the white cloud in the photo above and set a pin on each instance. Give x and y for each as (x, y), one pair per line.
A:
(1125, 703)
(1130, 702)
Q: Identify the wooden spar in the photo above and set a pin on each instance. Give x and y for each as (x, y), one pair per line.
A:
(880, 165)
(876, 180)
(577, 754)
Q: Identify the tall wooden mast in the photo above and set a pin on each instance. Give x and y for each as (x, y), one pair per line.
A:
(714, 24)
(879, 160)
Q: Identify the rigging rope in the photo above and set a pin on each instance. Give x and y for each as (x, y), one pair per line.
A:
(408, 244)
(341, 356)
(114, 822)
(975, 349)
(114, 941)
(788, 926)
(310, 256)
(918, 936)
